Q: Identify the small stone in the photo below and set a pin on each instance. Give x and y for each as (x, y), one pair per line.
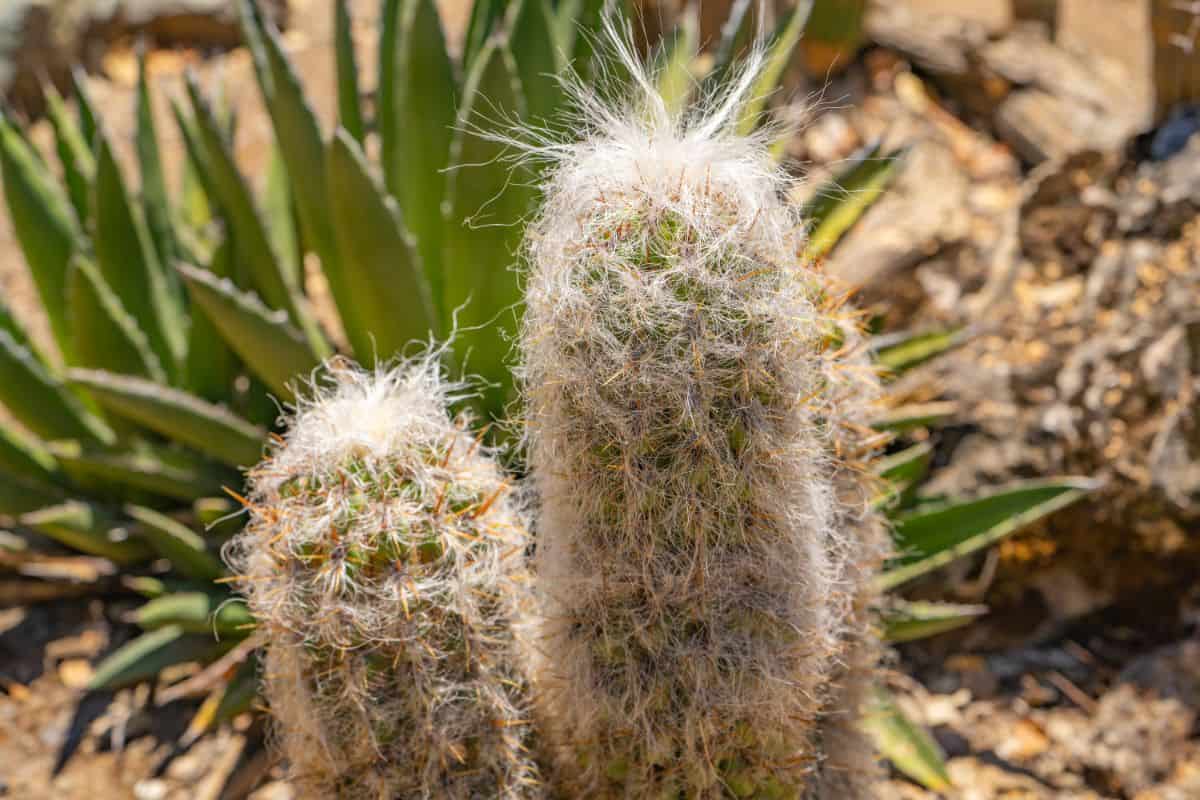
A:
(16, 691)
(52, 734)
(152, 789)
(75, 673)
(830, 138)
(1025, 741)
(276, 790)
(189, 768)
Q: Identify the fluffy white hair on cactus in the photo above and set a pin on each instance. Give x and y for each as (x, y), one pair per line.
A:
(696, 398)
(384, 561)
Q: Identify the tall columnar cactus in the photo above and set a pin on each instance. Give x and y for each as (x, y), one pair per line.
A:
(383, 558)
(695, 398)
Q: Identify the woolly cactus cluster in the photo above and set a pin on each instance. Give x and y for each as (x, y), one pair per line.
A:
(384, 558)
(694, 401)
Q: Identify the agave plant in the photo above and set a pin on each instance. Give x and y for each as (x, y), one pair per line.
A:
(178, 317)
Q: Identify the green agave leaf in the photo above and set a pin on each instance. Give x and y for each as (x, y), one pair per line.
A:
(21, 454)
(903, 471)
(485, 14)
(167, 472)
(270, 346)
(901, 353)
(907, 620)
(538, 57)
(349, 99)
(39, 400)
(222, 704)
(297, 130)
(932, 538)
(394, 306)
(279, 211)
(210, 151)
(88, 125)
(252, 245)
(211, 366)
(106, 336)
(197, 612)
(96, 487)
(918, 415)
(146, 656)
(145, 585)
(195, 210)
(225, 110)
(736, 35)
(156, 204)
(10, 323)
(74, 153)
(195, 245)
(909, 747)
(838, 24)
(566, 24)
(907, 467)
(45, 226)
(127, 261)
(234, 697)
(779, 54)
(177, 543)
(385, 79)
(253, 401)
(416, 127)
(88, 529)
(675, 79)
(21, 493)
(839, 204)
(587, 44)
(298, 134)
(239, 694)
(150, 587)
(488, 199)
(208, 428)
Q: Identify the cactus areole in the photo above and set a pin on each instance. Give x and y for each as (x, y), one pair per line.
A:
(694, 397)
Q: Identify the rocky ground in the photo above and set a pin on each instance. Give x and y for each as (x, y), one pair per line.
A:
(1031, 212)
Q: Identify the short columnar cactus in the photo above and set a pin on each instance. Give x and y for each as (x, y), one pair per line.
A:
(695, 395)
(383, 558)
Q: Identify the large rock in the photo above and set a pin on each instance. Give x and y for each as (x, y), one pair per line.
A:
(208, 23)
(1044, 99)
(1055, 77)
(1156, 41)
(994, 16)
